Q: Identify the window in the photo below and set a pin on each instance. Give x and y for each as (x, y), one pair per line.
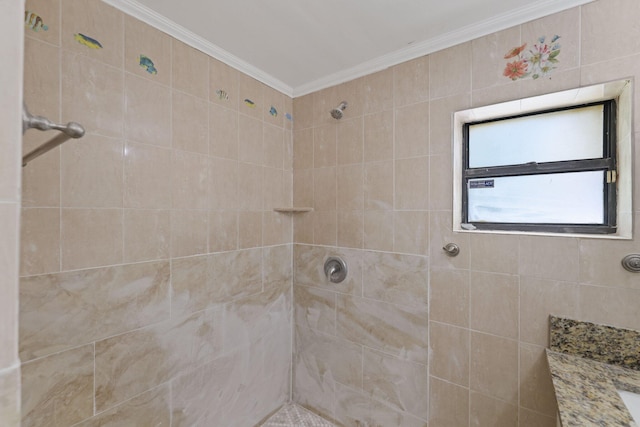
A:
(548, 164)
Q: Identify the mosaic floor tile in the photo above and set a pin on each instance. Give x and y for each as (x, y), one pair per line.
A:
(292, 415)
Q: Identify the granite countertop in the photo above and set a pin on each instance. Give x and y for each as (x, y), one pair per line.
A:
(588, 364)
(586, 391)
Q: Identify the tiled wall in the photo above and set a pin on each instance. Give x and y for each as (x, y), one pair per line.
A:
(369, 351)
(155, 276)
(11, 41)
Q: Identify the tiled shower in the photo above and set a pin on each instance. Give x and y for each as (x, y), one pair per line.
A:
(159, 287)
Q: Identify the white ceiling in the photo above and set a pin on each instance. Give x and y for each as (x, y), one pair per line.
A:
(299, 46)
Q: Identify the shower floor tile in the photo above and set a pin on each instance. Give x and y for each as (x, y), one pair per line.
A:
(292, 415)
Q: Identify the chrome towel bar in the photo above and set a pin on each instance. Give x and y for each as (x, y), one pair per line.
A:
(29, 121)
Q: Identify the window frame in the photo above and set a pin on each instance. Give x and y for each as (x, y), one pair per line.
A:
(606, 163)
(620, 90)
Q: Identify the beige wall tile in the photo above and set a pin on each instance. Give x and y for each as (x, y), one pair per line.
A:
(396, 278)
(276, 99)
(273, 140)
(303, 188)
(188, 232)
(528, 418)
(494, 253)
(303, 149)
(378, 136)
(324, 189)
(223, 137)
(41, 180)
(189, 70)
(450, 71)
(411, 81)
(342, 359)
(440, 182)
(142, 39)
(249, 229)
(303, 108)
(129, 364)
(91, 174)
(277, 263)
(147, 176)
(92, 94)
(600, 261)
(325, 146)
(536, 387)
(223, 78)
(223, 184)
(558, 255)
(223, 231)
(64, 310)
(401, 384)
(487, 411)
(412, 131)
(148, 111)
(378, 92)
(604, 26)
(58, 387)
(494, 303)
(609, 306)
(97, 20)
(449, 296)
(149, 408)
(397, 330)
(350, 140)
(39, 241)
(350, 187)
(275, 194)
(355, 408)
(411, 232)
(189, 123)
(378, 186)
(378, 230)
(90, 238)
(324, 101)
(412, 183)
(538, 300)
(494, 367)
(147, 235)
(449, 353)
(189, 180)
(250, 187)
(315, 309)
(350, 229)
(448, 404)
(303, 228)
(250, 140)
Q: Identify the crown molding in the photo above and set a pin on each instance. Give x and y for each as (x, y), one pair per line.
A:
(446, 40)
(160, 22)
(434, 44)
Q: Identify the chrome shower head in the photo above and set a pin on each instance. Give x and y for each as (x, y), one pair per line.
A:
(337, 112)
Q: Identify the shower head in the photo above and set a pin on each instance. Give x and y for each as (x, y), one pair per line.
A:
(337, 112)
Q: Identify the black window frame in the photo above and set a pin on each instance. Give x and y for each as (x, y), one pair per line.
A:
(606, 163)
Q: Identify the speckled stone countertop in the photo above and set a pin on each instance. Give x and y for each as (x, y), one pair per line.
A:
(586, 388)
